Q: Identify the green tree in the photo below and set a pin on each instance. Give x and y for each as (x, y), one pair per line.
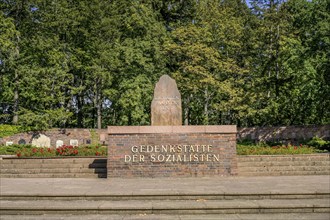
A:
(141, 60)
(94, 63)
(38, 71)
(288, 85)
(8, 54)
(309, 62)
(204, 58)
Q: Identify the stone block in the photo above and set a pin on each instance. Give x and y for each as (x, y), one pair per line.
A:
(41, 140)
(59, 143)
(166, 104)
(74, 142)
(8, 143)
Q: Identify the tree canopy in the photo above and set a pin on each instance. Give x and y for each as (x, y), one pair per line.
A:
(93, 63)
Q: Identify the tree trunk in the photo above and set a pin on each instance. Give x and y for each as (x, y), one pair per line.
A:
(206, 107)
(16, 84)
(99, 115)
(79, 111)
(186, 111)
(98, 103)
(15, 107)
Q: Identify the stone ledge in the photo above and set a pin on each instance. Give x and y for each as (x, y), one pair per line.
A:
(287, 155)
(7, 156)
(225, 129)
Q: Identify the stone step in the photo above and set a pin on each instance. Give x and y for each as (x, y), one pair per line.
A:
(52, 166)
(283, 168)
(165, 206)
(167, 196)
(71, 160)
(265, 165)
(101, 165)
(104, 164)
(275, 158)
(284, 173)
(282, 163)
(54, 171)
(216, 196)
(54, 175)
(259, 216)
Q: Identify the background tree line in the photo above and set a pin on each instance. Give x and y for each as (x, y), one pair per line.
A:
(93, 63)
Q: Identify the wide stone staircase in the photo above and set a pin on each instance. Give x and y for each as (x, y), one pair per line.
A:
(284, 165)
(166, 204)
(188, 198)
(267, 187)
(96, 167)
(74, 167)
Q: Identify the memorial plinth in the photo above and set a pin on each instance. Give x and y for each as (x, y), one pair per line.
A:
(168, 149)
(171, 151)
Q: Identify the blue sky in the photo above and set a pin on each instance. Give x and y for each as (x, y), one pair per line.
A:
(248, 2)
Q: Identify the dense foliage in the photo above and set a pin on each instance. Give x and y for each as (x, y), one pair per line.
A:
(92, 63)
(8, 130)
(260, 149)
(319, 144)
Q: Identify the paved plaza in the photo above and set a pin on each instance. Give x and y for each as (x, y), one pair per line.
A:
(220, 186)
(165, 186)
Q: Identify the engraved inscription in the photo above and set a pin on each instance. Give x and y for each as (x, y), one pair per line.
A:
(171, 153)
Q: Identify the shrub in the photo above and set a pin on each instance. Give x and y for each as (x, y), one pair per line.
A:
(8, 130)
(12, 149)
(245, 142)
(319, 143)
(274, 150)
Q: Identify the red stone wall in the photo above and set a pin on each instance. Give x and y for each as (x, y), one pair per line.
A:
(284, 133)
(275, 134)
(82, 135)
(140, 151)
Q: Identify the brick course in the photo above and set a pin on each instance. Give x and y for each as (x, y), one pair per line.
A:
(221, 160)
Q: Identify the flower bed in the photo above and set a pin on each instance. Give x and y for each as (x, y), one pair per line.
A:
(63, 151)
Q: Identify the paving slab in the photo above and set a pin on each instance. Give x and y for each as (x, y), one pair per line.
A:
(281, 216)
(218, 187)
(165, 186)
(164, 204)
